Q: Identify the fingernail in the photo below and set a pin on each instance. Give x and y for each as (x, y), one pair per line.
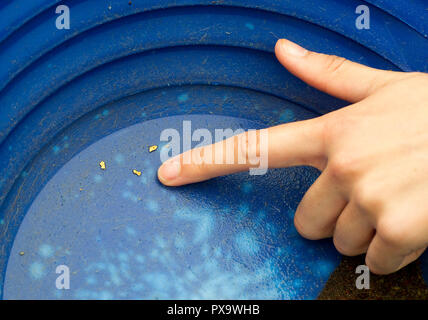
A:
(292, 48)
(170, 169)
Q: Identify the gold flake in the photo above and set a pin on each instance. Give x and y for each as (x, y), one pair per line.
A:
(103, 165)
(136, 172)
(153, 148)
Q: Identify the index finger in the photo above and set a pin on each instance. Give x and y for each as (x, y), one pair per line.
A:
(291, 144)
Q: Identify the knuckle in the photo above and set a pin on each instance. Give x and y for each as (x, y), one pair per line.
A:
(249, 146)
(342, 247)
(393, 233)
(332, 128)
(366, 198)
(335, 64)
(337, 125)
(343, 167)
(201, 168)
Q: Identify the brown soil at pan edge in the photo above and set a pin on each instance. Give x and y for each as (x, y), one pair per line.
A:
(404, 284)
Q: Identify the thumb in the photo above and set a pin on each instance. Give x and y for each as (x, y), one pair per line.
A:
(334, 75)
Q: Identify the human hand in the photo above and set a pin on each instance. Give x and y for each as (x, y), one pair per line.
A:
(372, 194)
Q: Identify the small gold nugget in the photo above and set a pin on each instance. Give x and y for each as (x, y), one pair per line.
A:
(21, 253)
(136, 172)
(152, 148)
(103, 165)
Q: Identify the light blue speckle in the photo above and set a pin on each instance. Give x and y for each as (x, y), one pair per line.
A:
(154, 253)
(105, 295)
(204, 250)
(105, 113)
(58, 294)
(217, 252)
(56, 149)
(119, 158)
(129, 195)
(247, 187)
(161, 242)
(158, 281)
(297, 283)
(91, 280)
(137, 287)
(122, 257)
(180, 242)
(1, 221)
(152, 205)
(242, 212)
(286, 116)
(244, 209)
(98, 178)
(246, 242)
(130, 231)
(114, 274)
(183, 97)
(45, 251)
(249, 26)
(261, 215)
(37, 270)
(139, 258)
(143, 179)
(204, 227)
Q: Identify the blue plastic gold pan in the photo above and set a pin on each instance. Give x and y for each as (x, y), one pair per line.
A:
(105, 88)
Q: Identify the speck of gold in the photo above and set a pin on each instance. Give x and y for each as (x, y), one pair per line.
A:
(80, 189)
(153, 148)
(136, 172)
(21, 253)
(102, 165)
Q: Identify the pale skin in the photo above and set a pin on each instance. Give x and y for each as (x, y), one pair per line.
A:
(372, 194)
